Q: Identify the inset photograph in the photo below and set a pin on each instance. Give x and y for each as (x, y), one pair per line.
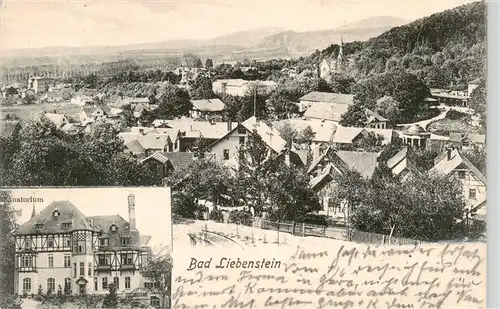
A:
(87, 247)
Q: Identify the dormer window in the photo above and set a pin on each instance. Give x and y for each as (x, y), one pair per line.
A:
(66, 225)
(125, 241)
(39, 227)
(113, 228)
(103, 242)
(56, 213)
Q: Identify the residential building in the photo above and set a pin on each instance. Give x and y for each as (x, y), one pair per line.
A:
(466, 141)
(58, 119)
(94, 113)
(345, 137)
(315, 97)
(325, 168)
(400, 164)
(239, 87)
(38, 84)
(451, 98)
(207, 108)
(162, 164)
(374, 120)
(62, 247)
(143, 141)
(226, 149)
(323, 131)
(453, 163)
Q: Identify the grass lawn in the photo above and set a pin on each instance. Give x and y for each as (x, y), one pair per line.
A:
(446, 125)
(33, 111)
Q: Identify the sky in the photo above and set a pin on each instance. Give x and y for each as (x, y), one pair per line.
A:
(152, 206)
(76, 23)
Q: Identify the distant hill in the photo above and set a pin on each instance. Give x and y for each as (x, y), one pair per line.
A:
(301, 42)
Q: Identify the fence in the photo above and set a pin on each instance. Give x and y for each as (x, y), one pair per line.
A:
(304, 229)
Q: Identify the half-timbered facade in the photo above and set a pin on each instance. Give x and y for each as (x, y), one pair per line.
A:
(62, 249)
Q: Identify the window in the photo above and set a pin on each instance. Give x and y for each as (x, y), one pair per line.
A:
(241, 130)
(472, 194)
(39, 226)
(127, 259)
(67, 286)
(113, 227)
(26, 285)
(461, 174)
(125, 241)
(66, 225)
(82, 269)
(51, 284)
(51, 262)
(27, 243)
(116, 281)
(74, 270)
(226, 154)
(90, 270)
(96, 285)
(26, 261)
(67, 261)
(150, 285)
(104, 242)
(242, 140)
(104, 260)
(50, 242)
(67, 241)
(155, 302)
(81, 246)
(127, 282)
(104, 283)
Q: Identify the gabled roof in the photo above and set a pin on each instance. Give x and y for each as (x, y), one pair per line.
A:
(212, 105)
(445, 166)
(194, 129)
(397, 158)
(362, 162)
(328, 97)
(9, 127)
(135, 147)
(57, 119)
(68, 213)
(146, 141)
(178, 160)
(270, 135)
(326, 111)
(104, 223)
(323, 131)
(372, 116)
(172, 133)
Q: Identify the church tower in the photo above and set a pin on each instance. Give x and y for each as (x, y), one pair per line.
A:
(340, 56)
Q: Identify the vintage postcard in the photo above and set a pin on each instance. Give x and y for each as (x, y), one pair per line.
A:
(316, 154)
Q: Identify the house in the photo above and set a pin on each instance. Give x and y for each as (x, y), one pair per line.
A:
(207, 107)
(146, 142)
(451, 98)
(94, 113)
(344, 137)
(163, 164)
(331, 164)
(326, 112)
(466, 141)
(323, 131)
(194, 132)
(453, 163)
(316, 97)
(60, 246)
(400, 164)
(239, 87)
(58, 119)
(374, 120)
(9, 128)
(54, 96)
(226, 149)
(38, 84)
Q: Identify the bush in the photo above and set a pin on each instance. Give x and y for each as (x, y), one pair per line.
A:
(216, 215)
(241, 217)
(455, 115)
(313, 219)
(10, 301)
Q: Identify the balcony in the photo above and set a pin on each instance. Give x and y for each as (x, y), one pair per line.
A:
(103, 267)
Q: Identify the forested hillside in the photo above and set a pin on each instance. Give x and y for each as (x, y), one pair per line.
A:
(444, 49)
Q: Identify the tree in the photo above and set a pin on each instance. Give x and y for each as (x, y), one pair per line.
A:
(370, 142)
(159, 271)
(354, 117)
(388, 107)
(478, 102)
(173, 101)
(209, 64)
(288, 132)
(341, 83)
(127, 118)
(8, 217)
(306, 136)
(111, 299)
(201, 88)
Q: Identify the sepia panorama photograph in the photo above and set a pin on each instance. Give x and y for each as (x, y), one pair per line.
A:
(274, 123)
(87, 247)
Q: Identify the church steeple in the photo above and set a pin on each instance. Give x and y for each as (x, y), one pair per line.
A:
(340, 56)
(33, 213)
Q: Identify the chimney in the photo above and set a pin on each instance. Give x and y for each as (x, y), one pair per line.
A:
(229, 125)
(131, 211)
(287, 157)
(91, 222)
(141, 131)
(448, 152)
